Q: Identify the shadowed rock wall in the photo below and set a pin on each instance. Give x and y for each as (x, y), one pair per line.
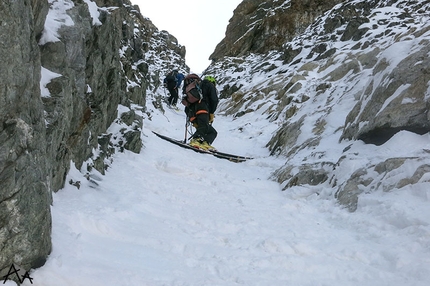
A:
(100, 60)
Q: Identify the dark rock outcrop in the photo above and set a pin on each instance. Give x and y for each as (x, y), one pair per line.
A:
(259, 27)
(25, 222)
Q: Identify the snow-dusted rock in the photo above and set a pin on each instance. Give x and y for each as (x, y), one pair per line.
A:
(70, 69)
(358, 74)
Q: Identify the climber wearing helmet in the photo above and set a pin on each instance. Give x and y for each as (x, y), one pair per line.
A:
(201, 114)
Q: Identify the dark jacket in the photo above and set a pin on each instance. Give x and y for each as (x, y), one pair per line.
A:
(170, 81)
(210, 96)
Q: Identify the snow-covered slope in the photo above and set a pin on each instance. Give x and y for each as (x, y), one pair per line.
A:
(170, 216)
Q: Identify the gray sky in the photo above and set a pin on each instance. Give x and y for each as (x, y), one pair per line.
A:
(199, 25)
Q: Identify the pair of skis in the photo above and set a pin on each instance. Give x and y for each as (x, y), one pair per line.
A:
(218, 154)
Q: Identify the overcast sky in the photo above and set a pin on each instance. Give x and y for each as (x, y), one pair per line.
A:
(199, 25)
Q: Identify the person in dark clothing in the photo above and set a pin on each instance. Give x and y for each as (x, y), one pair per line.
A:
(201, 112)
(173, 81)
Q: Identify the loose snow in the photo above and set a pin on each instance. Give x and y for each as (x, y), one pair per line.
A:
(94, 12)
(57, 17)
(46, 77)
(170, 216)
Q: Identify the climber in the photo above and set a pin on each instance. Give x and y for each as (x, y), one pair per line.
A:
(200, 112)
(173, 81)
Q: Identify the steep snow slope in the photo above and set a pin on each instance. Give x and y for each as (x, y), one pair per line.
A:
(170, 216)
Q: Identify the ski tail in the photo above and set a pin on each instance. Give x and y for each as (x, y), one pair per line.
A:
(232, 155)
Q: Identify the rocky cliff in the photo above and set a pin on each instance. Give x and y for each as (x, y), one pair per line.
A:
(360, 67)
(70, 69)
(259, 27)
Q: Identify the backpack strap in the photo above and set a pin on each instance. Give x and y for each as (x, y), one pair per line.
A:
(201, 111)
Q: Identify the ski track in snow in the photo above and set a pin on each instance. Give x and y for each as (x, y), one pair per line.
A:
(170, 216)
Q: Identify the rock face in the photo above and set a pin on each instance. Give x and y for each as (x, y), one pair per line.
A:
(60, 91)
(262, 26)
(385, 115)
(348, 73)
(25, 223)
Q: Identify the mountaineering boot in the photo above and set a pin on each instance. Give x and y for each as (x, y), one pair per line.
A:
(200, 143)
(205, 145)
(196, 143)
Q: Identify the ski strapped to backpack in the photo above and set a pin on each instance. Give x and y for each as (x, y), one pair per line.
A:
(192, 90)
